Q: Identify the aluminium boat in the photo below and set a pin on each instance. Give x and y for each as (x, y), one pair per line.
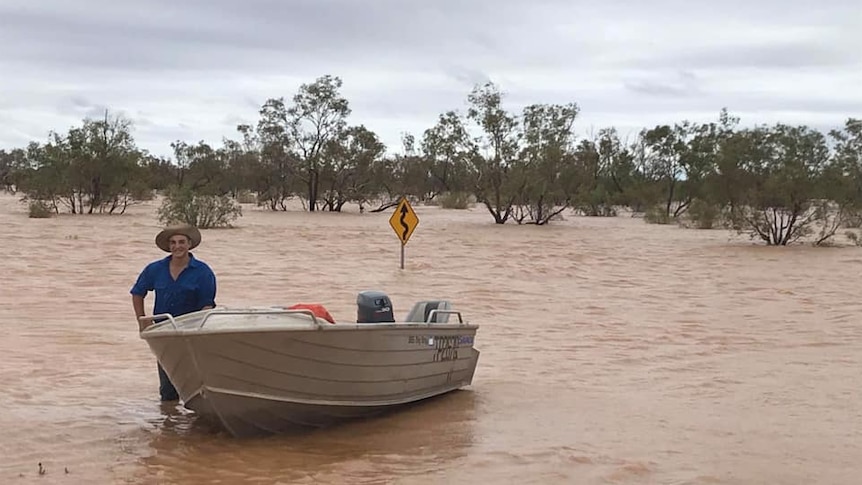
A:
(270, 370)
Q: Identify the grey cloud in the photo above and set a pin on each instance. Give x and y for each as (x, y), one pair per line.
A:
(191, 69)
(234, 120)
(80, 106)
(248, 102)
(683, 84)
(80, 102)
(468, 76)
(254, 34)
(140, 120)
(97, 112)
(787, 54)
(656, 88)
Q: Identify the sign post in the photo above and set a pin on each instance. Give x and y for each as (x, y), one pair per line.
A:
(403, 222)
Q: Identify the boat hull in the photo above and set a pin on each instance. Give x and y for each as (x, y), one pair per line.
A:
(279, 378)
(251, 416)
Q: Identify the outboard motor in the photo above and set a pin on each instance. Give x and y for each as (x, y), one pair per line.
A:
(373, 307)
(422, 310)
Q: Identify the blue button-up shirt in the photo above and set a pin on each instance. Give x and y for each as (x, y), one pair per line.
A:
(193, 289)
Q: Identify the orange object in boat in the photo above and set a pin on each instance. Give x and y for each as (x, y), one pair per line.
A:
(316, 308)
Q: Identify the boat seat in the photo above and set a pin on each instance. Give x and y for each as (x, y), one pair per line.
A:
(422, 309)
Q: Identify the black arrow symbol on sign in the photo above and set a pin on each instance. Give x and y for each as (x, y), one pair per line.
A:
(403, 222)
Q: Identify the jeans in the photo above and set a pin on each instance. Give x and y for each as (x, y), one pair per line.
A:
(166, 387)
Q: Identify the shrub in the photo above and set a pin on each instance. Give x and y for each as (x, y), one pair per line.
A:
(39, 209)
(596, 210)
(455, 200)
(202, 211)
(246, 197)
(853, 220)
(703, 214)
(143, 194)
(657, 215)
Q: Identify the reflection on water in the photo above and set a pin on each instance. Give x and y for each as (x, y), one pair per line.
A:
(416, 439)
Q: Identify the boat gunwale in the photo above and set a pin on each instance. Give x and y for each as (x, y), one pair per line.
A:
(164, 330)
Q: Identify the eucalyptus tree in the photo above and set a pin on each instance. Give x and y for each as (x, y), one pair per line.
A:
(663, 149)
(496, 151)
(844, 180)
(779, 176)
(94, 168)
(447, 149)
(13, 163)
(347, 171)
(551, 174)
(243, 164)
(159, 173)
(316, 118)
(277, 165)
(204, 169)
(618, 177)
(405, 174)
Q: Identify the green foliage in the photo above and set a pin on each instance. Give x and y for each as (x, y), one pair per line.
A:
(202, 169)
(94, 168)
(39, 209)
(246, 197)
(657, 215)
(779, 177)
(12, 167)
(316, 119)
(552, 174)
(703, 214)
(596, 202)
(350, 175)
(455, 200)
(448, 149)
(182, 205)
(491, 160)
(780, 184)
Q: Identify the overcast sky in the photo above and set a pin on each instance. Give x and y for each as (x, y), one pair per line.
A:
(193, 69)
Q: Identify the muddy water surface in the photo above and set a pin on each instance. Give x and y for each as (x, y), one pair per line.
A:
(612, 352)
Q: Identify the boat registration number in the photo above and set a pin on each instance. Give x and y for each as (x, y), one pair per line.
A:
(445, 346)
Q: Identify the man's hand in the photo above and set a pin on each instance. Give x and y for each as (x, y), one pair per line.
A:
(144, 322)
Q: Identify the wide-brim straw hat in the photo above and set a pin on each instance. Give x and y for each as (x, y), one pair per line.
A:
(191, 232)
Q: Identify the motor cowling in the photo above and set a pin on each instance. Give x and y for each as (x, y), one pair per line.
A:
(421, 311)
(374, 307)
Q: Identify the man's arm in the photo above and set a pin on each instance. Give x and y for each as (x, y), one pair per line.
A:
(207, 291)
(142, 285)
(138, 306)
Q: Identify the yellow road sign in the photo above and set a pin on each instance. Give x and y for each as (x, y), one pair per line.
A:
(404, 221)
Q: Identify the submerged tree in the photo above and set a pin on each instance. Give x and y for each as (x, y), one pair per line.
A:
(550, 175)
(780, 184)
(93, 168)
(317, 118)
(496, 151)
(843, 179)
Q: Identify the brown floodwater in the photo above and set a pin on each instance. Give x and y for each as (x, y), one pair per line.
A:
(613, 351)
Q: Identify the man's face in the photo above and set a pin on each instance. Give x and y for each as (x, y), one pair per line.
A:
(179, 245)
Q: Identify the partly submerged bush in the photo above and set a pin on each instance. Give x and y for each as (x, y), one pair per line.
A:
(455, 200)
(182, 206)
(657, 215)
(39, 209)
(703, 214)
(246, 197)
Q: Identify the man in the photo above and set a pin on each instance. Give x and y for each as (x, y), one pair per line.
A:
(182, 284)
